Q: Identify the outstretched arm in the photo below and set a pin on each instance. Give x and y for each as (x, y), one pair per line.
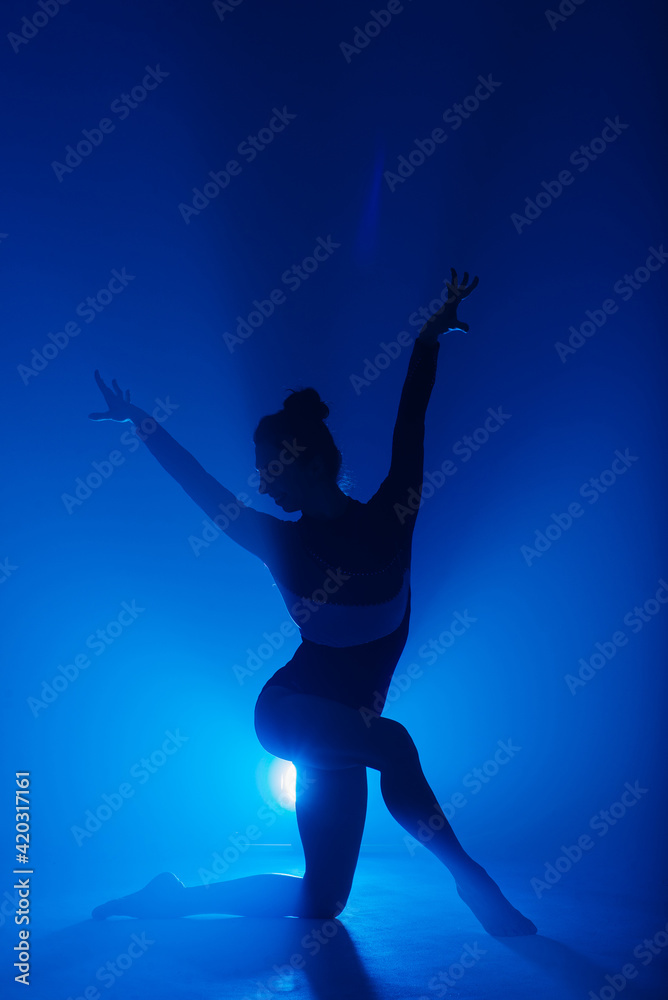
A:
(401, 490)
(250, 528)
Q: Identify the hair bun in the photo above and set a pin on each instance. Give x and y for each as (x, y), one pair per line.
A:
(306, 404)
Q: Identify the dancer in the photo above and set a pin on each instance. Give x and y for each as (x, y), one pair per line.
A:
(343, 570)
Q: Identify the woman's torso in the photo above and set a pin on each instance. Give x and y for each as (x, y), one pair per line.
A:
(346, 584)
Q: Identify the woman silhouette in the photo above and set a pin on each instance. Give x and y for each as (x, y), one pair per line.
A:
(343, 569)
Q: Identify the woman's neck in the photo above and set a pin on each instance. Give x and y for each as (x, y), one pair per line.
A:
(327, 506)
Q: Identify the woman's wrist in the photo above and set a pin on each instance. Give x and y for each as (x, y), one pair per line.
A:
(135, 413)
(425, 336)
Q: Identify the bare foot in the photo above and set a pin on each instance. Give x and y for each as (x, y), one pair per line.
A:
(484, 898)
(160, 898)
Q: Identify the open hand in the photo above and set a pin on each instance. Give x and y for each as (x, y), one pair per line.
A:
(119, 404)
(446, 317)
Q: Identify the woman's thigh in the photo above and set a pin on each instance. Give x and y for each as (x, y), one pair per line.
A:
(320, 733)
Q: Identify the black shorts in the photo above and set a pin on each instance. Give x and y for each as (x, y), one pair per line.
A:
(357, 676)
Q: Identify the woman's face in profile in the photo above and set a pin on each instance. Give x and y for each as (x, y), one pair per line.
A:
(281, 476)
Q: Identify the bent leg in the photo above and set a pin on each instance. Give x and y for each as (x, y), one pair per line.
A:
(331, 810)
(319, 733)
(323, 735)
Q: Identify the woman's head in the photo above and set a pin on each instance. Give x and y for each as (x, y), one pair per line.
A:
(295, 453)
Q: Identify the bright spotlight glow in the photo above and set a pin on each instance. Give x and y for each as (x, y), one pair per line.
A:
(283, 782)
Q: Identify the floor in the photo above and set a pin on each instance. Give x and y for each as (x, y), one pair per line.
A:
(405, 934)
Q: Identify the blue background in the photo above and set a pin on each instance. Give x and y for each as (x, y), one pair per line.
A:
(326, 175)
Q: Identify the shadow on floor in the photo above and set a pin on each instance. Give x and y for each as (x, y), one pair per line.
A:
(230, 957)
(564, 966)
(394, 951)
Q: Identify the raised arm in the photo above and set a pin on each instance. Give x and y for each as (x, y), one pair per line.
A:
(401, 490)
(252, 529)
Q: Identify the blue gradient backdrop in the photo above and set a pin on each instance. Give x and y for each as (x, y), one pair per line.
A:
(332, 172)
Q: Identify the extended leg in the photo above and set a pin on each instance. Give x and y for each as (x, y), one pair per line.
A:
(331, 809)
(272, 895)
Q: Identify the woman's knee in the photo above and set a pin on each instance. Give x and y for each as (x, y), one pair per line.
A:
(340, 905)
(325, 910)
(324, 904)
